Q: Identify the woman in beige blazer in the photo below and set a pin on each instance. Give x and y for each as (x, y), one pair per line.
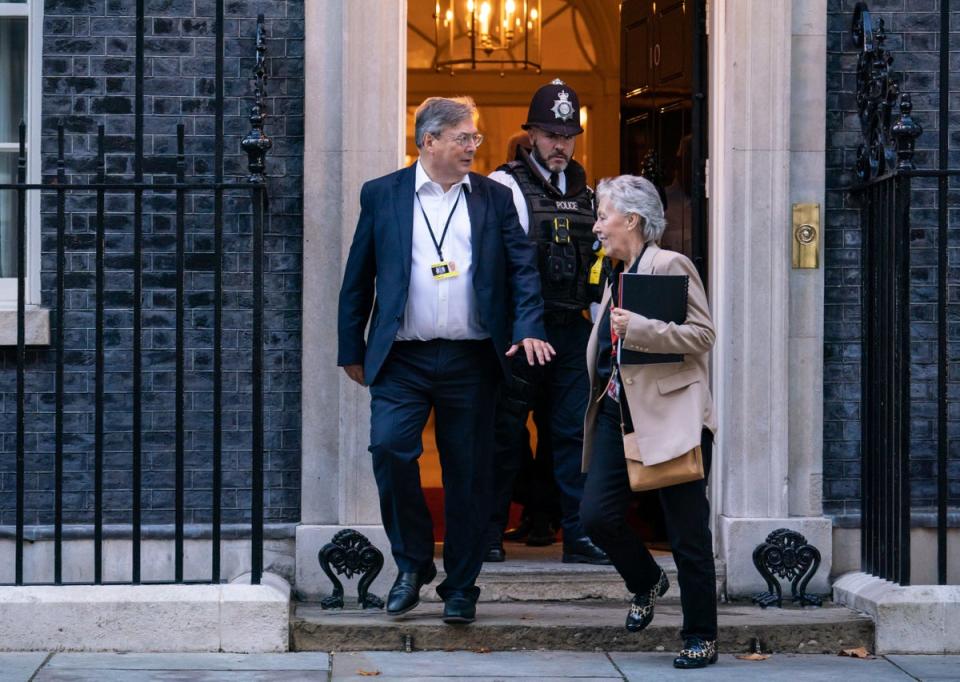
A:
(666, 406)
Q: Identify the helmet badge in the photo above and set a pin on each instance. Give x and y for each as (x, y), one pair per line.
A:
(563, 107)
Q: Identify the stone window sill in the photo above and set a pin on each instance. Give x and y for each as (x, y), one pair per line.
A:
(37, 326)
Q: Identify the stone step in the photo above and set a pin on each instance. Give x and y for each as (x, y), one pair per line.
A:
(537, 574)
(580, 626)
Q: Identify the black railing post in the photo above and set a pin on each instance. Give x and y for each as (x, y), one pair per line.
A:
(868, 437)
(181, 237)
(217, 465)
(942, 244)
(256, 496)
(904, 134)
(99, 381)
(61, 323)
(256, 144)
(901, 495)
(21, 343)
(137, 421)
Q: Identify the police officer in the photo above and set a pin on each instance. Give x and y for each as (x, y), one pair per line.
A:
(556, 208)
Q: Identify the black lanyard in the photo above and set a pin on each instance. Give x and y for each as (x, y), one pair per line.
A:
(439, 245)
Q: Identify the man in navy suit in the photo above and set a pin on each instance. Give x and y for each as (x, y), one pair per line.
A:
(441, 261)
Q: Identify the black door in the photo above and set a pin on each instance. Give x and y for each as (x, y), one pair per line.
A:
(663, 112)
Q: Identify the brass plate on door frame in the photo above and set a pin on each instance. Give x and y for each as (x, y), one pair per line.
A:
(806, 236)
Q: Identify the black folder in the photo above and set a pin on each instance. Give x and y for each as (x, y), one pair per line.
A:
(658, 297)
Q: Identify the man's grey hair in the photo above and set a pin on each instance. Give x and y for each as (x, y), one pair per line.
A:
(436, 114)
(633, 194)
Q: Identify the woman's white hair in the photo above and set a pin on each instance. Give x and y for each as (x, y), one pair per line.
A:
(636, 195)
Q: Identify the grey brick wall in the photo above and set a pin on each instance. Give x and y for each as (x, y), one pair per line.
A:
(913, 36)
(88, 79)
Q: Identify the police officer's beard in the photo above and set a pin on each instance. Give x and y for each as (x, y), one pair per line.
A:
(546, 163)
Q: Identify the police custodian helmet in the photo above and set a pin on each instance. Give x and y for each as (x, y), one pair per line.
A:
(555, 108)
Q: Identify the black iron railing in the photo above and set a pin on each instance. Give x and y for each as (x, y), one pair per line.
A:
(885, 172)
(885, 377)
(256, 144)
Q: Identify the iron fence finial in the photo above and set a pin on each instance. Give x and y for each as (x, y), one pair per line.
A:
(878, 95)
(905, 133)
(257, 143)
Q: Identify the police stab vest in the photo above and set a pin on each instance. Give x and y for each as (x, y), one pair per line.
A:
(561, 225)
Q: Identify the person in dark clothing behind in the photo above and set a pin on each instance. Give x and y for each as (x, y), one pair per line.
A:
(556, 208)
(525, 478)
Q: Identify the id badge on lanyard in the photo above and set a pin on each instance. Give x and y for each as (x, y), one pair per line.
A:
(444, 269)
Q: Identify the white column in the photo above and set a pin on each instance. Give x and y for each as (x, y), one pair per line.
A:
(808, 141)
(761, 90)
(355, 104)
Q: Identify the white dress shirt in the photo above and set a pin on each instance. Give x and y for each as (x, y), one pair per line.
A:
(444, 308)
(519, 201)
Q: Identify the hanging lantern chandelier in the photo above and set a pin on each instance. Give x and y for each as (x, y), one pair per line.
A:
(487, 34)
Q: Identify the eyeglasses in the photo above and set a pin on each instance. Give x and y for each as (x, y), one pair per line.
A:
(463, 139)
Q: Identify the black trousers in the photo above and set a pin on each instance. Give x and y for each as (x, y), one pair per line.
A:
(686, 511)
(519, 475)
(459, 380)
(564, 389)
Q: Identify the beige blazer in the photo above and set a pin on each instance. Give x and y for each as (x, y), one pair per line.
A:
(669, 403)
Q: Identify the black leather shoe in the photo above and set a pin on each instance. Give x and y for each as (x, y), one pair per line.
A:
(495, 554)
(458, 610)
(583, 551)
(405, 593)
(641, 608)
(696, 653)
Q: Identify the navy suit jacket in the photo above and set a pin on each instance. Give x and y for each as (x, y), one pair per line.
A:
(377, 276)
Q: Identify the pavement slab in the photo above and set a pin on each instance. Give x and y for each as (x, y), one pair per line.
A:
(520, 665)
(472, 666)
(786, 667)
(310, 661)
(15, 667)
(179, 676)
(289, 667)
(928, 668)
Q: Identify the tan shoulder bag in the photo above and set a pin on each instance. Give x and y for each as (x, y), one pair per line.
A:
(688, 467)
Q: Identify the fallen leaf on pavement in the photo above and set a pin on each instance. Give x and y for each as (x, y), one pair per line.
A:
(859, 652)
(368, 673)
(753, 657)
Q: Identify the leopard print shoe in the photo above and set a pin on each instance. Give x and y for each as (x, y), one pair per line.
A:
(696, 653)
(641, 608)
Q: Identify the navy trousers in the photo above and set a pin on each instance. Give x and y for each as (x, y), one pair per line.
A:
(459, 380)
(686, 511)
(520, 476)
